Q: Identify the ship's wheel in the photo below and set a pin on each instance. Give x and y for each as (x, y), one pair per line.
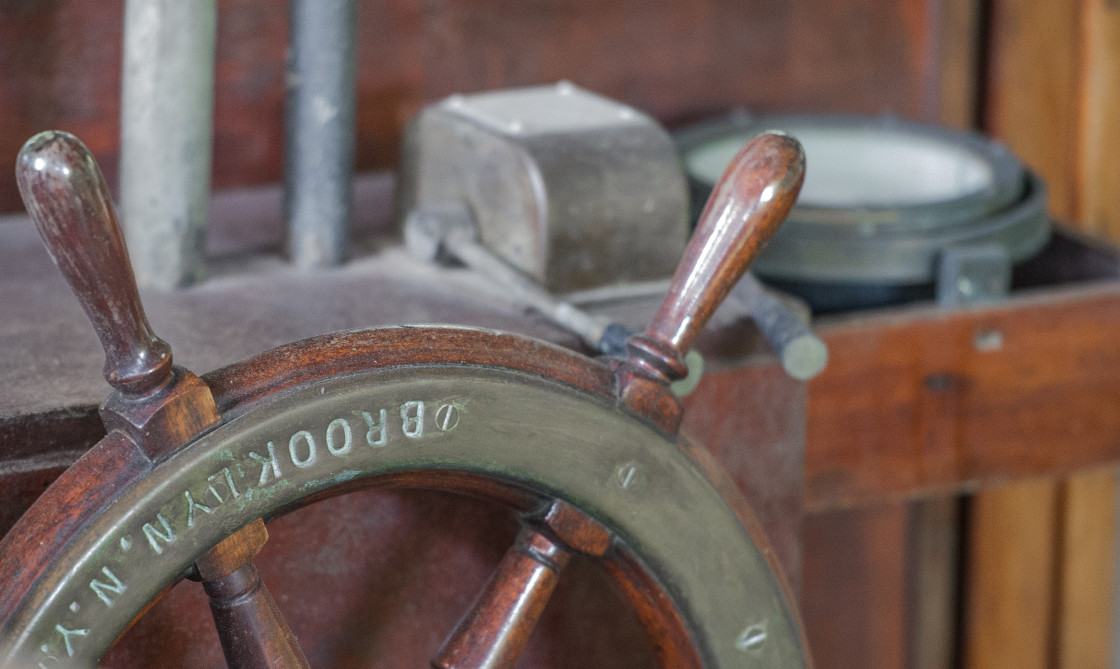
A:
(584, 452)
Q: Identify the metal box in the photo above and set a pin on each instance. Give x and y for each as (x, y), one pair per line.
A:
(572, 188)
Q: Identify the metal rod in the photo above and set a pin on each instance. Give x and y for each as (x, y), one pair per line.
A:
(319, 152)
(803, 353)
(431, 234)
(167, 102)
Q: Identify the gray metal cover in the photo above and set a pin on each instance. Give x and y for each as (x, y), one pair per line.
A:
(573, 189)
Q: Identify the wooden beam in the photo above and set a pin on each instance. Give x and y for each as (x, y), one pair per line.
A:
(1051, 97)
(1099, 174)
(933, 581)
(1009, 617)
(923, 400)
(958, 61)
(854, 595)
(1086, 573)
(1033, 91)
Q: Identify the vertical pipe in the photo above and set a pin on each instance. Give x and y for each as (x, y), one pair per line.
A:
(319, 155)
(167, 102)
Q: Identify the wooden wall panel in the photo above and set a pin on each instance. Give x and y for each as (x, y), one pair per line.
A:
(1087, 560)
(1051, 96)
(1009, 620)
(60, 65)
(1032, 93)
(854, 585)
(1099, 210)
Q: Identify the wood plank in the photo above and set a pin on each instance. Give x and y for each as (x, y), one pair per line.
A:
(933, 585)
(934, 550)
(1047, 99)
(854, 597)
(1033, 91)
(1086, 574)
(920, 400)
(958, 62)
(1010, 589)
(1100, 170)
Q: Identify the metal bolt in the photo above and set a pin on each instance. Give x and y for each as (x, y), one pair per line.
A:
(940, 383)
(752, 639)
(964, 286)
(627, 475)
(447, 417)
(988, 340)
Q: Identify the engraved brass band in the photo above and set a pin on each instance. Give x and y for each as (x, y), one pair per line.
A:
(522, 430)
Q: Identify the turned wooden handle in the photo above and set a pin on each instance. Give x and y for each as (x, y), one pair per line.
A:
(66, 195)
(746, 207)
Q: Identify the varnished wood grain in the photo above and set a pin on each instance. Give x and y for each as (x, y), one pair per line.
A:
(66, 195)
(854, 587)
(924, 399)
(1032, 92)
(747, 205)
(1009, 620)
(253, 632)
(1086, 554)
(1099, 210)
(1049, 96)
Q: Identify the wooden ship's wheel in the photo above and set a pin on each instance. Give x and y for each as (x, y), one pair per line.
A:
(584, 452)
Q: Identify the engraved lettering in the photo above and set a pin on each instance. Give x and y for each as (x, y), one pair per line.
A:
(229, 483)
(379, 427)
(412, 419)
(66, 634)
(192, 505)
(347, 437)
(103, 590)
(292, 449)
(154, 535)
(267, 464)
(213, 490)
(447, 417)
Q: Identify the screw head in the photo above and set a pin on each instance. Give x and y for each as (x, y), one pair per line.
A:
(752, 639)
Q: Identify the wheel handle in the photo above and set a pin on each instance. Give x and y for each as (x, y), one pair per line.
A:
(159, 406)
(750, 201)
(66, 195)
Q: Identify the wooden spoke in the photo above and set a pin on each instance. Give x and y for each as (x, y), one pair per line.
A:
(495, 631)
(252, 630)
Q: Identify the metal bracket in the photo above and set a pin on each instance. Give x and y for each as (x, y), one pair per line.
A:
(968, 275)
